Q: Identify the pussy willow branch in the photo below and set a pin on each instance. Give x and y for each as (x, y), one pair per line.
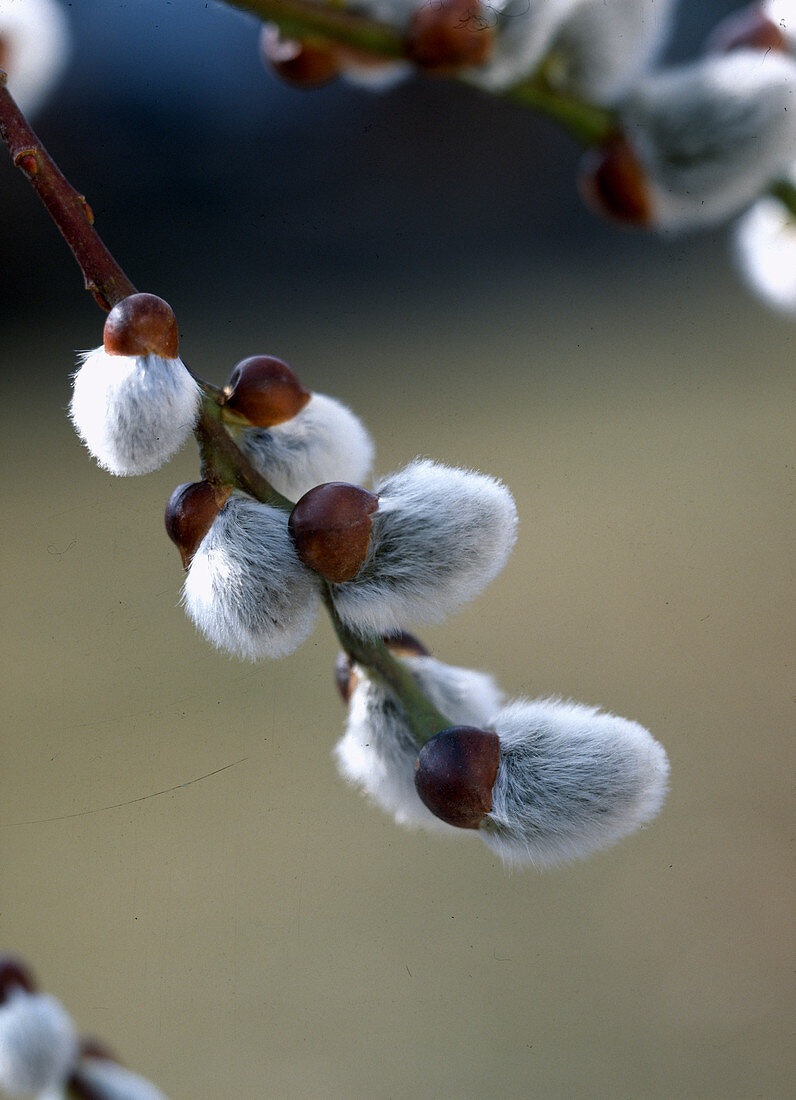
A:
(588, 123)
(221, 460)
(67, 208)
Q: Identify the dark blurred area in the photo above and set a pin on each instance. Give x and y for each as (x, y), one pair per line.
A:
(189, 151)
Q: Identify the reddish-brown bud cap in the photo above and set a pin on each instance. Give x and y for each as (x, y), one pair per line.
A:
(96, 1048)
(14, 975)
(330, 527)
(266, 391)
(612, 183)
(142, 324)
(455, 774)
(747, 29)
(307, 64)
(446, 35)
(403, 644)
(190, 512)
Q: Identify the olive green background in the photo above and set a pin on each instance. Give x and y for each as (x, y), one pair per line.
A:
(261, 931)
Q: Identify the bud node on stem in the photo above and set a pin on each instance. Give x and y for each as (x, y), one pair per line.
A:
(27, 160)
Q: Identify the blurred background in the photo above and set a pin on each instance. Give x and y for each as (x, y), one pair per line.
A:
(422, 255)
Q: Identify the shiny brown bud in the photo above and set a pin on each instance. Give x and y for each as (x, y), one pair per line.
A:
(14, 974)
(330, 527)
(447, 35)
(265, 391)
(612, 183)
(141, 324)
(747, 29)
(307, 64)
(455, 774)
(190, 512)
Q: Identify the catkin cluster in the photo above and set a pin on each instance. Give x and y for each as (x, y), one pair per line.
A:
(541, 780)
(692, 145)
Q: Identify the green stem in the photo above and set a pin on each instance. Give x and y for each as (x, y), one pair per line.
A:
(423, 717)
(586, 122)
(306, 18)
(223, 462)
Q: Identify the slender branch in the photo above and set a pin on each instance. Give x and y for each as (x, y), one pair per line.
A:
(423, 717)
(586, 122)
(308, 18)
(221, 459)
(68, 209)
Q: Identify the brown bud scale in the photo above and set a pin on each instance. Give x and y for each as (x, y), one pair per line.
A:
(345, 678)
(265, 391)
(14, 974)
(748, 29)
(612, 183)
(455, 774)
(403, 644)
(28, 162)
(305, 64)
(190, 512)
(142, 324)
(330, 527)
(447, 35)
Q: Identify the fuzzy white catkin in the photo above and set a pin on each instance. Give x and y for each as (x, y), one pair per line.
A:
(765, 247)
(712, 135)
(378, 751)
(38, 1045)
(571, 779)
(603, 46)
(133, 412)
(524, 31)
(35, 48)
(439, 536)
(114, 1082)
(323, 442)
(245, 589)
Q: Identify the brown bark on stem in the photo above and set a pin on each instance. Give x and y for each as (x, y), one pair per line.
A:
(68, 209)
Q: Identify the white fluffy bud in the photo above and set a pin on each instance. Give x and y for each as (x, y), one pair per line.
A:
(571, 779)
(113, 1082)
(524, 32)
(133, 412)
(603, 46)
(323, 442)
(34, 49)
(765, 245)
(712, 135)
(438, 537)
(378, 752)
(38, 1045)
(245, 589)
